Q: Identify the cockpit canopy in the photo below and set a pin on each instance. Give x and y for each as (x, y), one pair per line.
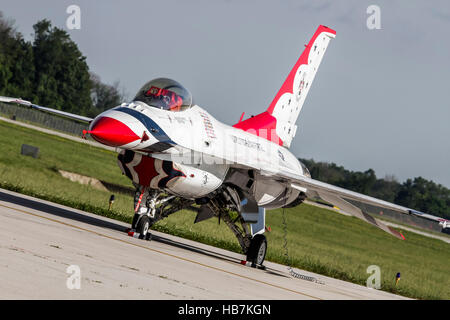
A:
(165, 94)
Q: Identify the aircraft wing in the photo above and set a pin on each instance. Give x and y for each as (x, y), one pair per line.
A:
(349, 201)
(45, 109)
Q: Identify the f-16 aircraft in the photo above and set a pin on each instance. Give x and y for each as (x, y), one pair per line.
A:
(179, 156)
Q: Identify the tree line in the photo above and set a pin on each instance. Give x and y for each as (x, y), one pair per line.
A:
(418, 193)
(51, 71)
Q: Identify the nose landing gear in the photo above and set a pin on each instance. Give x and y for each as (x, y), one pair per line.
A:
(152, 206)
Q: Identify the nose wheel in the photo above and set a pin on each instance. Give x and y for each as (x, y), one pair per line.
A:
(151, 207)
(143, 227)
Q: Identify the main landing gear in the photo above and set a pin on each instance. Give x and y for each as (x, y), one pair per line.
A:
(253, 246)
(257, 250)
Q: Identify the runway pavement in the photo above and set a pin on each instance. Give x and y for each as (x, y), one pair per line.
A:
(40, 240)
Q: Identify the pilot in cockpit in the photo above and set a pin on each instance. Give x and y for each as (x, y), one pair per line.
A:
(164, 98)
(165, 94)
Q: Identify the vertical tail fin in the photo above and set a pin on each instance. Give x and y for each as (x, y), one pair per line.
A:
(288, 102)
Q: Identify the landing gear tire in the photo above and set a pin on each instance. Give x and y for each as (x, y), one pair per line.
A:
(143, 228)
(257, 250)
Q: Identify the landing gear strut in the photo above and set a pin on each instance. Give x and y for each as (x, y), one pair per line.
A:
(254, 247)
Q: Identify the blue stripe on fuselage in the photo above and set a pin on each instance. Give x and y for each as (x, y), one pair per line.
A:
(151, 125)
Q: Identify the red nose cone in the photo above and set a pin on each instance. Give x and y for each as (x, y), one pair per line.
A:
(112, 132)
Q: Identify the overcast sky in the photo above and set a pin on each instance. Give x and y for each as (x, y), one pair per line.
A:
(380, 98)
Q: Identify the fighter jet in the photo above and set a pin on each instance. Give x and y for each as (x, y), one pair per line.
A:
(178, 156)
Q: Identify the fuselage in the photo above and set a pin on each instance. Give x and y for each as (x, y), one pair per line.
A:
(201, 148)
